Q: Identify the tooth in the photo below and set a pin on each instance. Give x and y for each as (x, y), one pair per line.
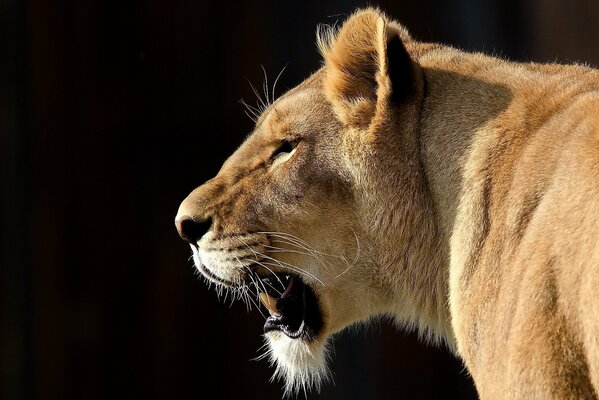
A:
(269, 302)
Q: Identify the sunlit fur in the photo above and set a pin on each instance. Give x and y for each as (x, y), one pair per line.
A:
(455, 192)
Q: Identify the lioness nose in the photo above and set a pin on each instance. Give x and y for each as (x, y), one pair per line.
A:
(190, 230)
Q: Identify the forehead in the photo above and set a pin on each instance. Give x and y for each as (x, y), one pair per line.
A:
(286, 110)
(295, 106)
(297, 114)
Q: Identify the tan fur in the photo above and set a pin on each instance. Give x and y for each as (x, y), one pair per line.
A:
(469, 208)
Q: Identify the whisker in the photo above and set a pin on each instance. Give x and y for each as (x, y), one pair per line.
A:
(303, 244)
(250, 111)
(250, 275)
(261, 105)
(355, 258)
(286, 237)
(265, 85)
(292, 239)
(241, 295)
(275, 275)
(275, 84)
(254, 120)
(287, 265)
(254, 283)
(312, 253)
(274, 288)
(255, 111)
(276, 249)
(291, 267)
(257, 305)
(250, 298)
(257, 255)
(263, 287)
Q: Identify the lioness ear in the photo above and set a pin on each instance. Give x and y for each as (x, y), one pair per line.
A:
(366, 67)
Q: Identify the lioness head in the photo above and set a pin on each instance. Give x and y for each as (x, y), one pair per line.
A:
(320, 214)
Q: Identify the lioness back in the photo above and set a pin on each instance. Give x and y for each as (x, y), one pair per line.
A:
(456, 192)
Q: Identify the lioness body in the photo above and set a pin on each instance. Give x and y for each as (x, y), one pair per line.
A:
(463, 187)
(512, 155)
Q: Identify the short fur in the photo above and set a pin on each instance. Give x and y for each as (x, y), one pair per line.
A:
(456, 192)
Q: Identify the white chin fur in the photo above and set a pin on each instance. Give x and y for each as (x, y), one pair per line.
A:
(301, 365)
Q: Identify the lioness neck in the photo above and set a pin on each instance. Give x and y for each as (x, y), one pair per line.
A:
(457, 103)
(470, 105)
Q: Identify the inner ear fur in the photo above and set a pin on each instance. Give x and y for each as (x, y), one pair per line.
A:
(367, 66)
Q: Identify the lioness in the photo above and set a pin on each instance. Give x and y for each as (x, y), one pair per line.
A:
(456, 192)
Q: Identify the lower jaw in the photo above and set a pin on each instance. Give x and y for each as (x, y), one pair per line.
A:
(296, 313)
(299, 333)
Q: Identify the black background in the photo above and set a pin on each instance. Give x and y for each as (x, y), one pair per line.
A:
(110, 113)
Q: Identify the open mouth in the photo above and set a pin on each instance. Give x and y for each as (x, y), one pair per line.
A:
(292, 304)
(294, 310)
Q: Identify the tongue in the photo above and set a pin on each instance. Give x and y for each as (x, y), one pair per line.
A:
(270, 303)
(289, 291)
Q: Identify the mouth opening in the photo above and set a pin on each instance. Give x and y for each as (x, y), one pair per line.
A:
(293, 311)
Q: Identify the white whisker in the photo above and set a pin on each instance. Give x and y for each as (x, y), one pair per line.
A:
(291, 267)
(356, 258)
(265, 85)
(257, 255)
(276, 80)
(276, 249)
(261, 104)
(250, 111)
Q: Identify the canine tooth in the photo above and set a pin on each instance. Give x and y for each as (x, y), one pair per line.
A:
(269, 302)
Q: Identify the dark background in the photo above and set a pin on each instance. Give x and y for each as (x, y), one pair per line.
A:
(110, 113)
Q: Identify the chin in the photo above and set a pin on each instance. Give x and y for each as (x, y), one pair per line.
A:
(295, 333)
(300, 363)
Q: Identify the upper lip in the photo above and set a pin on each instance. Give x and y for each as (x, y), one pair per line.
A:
(213, 277)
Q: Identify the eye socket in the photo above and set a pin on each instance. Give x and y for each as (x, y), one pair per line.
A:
(285, 148)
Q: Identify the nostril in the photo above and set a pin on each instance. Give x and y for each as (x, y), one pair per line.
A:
(190, 230)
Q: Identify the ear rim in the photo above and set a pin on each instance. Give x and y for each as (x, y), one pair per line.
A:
(353, 94)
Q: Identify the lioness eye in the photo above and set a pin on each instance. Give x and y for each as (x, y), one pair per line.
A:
(285, 148)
